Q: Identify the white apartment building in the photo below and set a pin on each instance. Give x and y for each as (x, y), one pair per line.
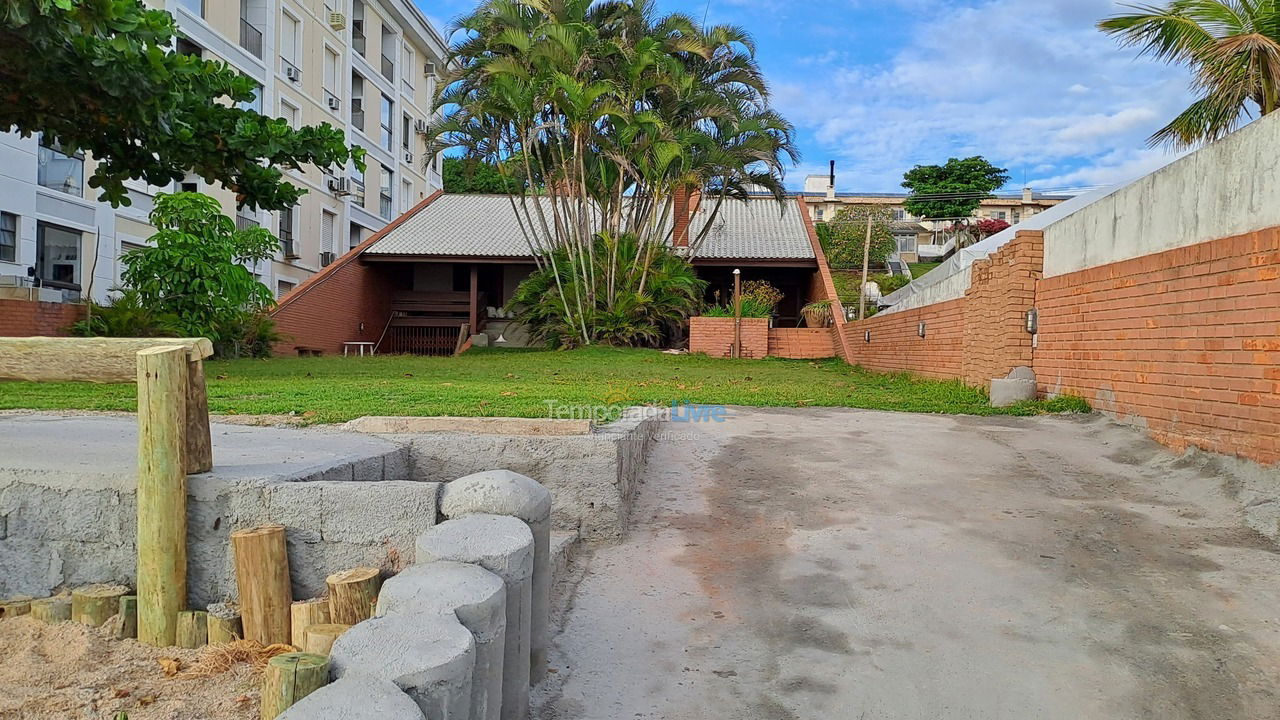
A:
(368, 67)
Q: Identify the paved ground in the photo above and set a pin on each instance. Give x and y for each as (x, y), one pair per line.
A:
(922, 567)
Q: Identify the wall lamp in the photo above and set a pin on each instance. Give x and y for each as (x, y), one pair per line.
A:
(866, 336)
(921, 330)
(1033, 321)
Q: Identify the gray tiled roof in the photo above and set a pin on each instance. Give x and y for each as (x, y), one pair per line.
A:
(487, 226)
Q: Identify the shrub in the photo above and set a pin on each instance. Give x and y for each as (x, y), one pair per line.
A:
(126, 316)
(648, 299)
(889, 283)
(751, 308)
(844, 237)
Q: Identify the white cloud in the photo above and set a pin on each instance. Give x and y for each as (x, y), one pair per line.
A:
(1030, 84)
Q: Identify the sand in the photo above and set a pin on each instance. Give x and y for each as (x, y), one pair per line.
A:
(71, 672)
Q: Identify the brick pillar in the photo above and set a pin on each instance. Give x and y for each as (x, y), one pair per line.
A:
(1002, 290)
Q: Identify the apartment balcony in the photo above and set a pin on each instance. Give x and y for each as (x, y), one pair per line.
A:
(388, 68)
(244, 223)
(250, 38)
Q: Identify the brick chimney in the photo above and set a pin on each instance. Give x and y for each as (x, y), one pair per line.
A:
(686, 202)
(1028, 195)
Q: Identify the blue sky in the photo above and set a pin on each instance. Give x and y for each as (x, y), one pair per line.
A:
(882, 85)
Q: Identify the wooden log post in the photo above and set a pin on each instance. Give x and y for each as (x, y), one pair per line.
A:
(193, 629)
(289, 678)
(162, 493)
(52, 610)
(353, 594)
(128, 627)
(13, 607)
(262, 576)
(305, 613)
(95, 604)
(224, 624)
(319, 639)
(198, 437)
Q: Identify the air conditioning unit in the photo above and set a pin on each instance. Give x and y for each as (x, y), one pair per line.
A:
(429, 69)
(327, 258)
(408, 158)
(292, 73)
(337, 21)
(333, 102)
(420, 126)
(340, 185)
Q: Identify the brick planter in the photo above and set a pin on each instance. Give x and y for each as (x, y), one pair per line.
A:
(714, 336)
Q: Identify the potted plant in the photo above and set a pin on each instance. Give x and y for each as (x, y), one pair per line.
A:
(817, 314)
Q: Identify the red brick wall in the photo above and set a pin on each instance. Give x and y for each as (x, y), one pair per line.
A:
(823, 280)
(1002, 290)
(31, 318)
(714, 336)
(802, 343)
(1185, 342)
(896, 345)
(331, 306)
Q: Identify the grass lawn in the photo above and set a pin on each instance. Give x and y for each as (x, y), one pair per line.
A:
(918, 269)
(517, 383)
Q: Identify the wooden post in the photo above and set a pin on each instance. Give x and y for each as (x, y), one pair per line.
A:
(95, 604)
(262, 575)
(473, 317)
(162, 493)
(305, 613)
(199, 440)
(319, 639)
(289, 678)
(866, 260)
(128, 627)
(52, 609)
(13, 607)
(224, 624)
(193, 629)
(352, 594)
(737, 313)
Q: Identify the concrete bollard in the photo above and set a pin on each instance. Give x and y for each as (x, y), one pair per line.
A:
(502, 492)
(502, 545)
(1006, 392)
(478, 598)
(355, 697)
(430, 658)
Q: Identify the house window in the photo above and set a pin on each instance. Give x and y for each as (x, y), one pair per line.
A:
(284, 287)
(64, 173)
(328, 226)
(290, 44)
(388, 128)
(8, 237)
(820, 213)
(899, 214)
(1017, 217)
(384, 193)
(290, 113)
(58, 256)
(1002, 215)
(906, 243)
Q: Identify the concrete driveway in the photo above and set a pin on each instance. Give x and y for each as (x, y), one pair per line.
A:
(845, 564)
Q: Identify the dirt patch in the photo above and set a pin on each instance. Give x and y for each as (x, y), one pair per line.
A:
(72, 672)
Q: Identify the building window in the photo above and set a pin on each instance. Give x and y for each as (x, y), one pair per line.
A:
(286, 234)
(245, 219)
(328, 227)
(388, 128)
(284, 287)
(250, 35)
(356, 236)
(1017, 217)
(184, 46)
(290, 45)
(388, 53)
(406, 134)
(408, 62)
(195, 6)
(256, 103)
(406, 195)
(191, 183)
(290, 113)
(58, 256)
(331, 80)
(899, 214)
(64, 173)
(384, 193)
(358, 41)
(357, 185)
(1002, 215)
(357, 101)
(8, 237)
(820, 214)
(906, 243)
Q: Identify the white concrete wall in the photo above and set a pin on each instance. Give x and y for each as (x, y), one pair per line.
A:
(1227, 188)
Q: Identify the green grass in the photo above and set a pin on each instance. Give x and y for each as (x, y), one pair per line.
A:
(918, 269)
(517, 383)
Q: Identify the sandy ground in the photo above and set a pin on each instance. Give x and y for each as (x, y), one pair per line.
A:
(845, 564)
(71, 672)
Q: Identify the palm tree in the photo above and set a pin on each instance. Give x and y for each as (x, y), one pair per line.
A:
(1232, 45)
(602, 111)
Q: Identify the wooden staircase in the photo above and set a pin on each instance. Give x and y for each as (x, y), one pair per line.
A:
(430, 323)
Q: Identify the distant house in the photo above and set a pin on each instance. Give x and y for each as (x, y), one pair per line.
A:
(457, 259)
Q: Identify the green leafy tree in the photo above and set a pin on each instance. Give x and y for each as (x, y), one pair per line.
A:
(603, 112)
(1232, 46)
(472, 176)
(196, 269)
(844, 236)
(101, 76)
(953, 190)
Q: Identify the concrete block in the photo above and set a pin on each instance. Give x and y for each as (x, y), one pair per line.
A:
(1005, 392)
(502, 492)
(536, 427)
(1022, 372)
(502, 545)
(430, 658)
(375, 512)
(356, 697)
(478, 598)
